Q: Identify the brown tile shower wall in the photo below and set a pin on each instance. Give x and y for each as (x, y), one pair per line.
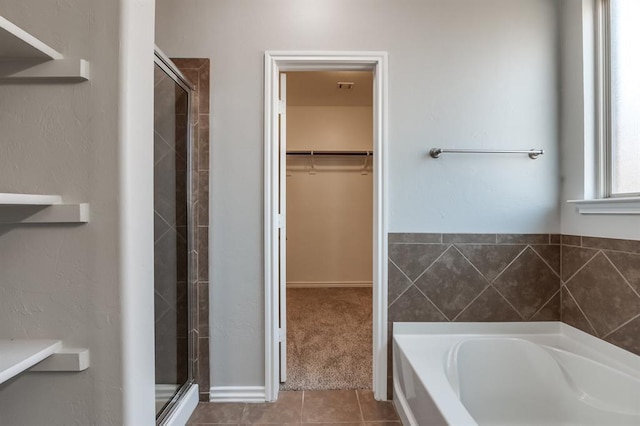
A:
(473, 277)
(601, 288)
(197, 71)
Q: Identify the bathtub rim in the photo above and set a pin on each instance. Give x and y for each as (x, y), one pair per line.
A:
(626, 359)
(444, 335)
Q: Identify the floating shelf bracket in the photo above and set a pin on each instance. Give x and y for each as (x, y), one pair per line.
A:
(25, 58)
(17, 356)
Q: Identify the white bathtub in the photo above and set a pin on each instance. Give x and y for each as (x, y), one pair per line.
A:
(545, 373)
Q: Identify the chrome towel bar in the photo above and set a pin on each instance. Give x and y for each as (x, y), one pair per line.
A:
(533, 153)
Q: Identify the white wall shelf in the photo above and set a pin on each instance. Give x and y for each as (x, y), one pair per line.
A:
(12, 199)
(25, 58)
(17, 356)
(38, 208)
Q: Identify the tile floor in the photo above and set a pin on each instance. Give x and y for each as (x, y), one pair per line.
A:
(335, 407)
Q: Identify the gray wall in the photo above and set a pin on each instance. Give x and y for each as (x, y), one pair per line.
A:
(62, 281)
(88, 285)
(462, 73)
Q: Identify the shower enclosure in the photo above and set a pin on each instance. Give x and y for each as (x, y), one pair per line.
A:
(172, 236)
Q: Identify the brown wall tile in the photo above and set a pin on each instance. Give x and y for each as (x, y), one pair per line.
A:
(528, 283)
(490, 306)
(601, 278)
(551, 311)
(414, 259)
(627, 336)
(551, 255)
(415, 238)
(203, 142)
(571, 240)
(523, 239)
(398, 282)
(413, 306)
(490, 259)
(572, 315)
(451, 283)
(186, 63)
(469, 238)
(203, 309)
(603, 295)
(574, 258)
(630, 246)
(629, 266)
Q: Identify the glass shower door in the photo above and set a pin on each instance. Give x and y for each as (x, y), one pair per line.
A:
(171, 236)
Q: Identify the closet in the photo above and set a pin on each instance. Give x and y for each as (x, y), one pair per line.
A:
(329, 220)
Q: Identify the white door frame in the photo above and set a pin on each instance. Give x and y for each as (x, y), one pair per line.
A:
(274, 63)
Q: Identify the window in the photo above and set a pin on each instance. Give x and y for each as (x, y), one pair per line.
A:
(619, 97)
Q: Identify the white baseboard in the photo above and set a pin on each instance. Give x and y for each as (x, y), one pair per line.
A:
(165, 392)
(237, 394)
(320, 284)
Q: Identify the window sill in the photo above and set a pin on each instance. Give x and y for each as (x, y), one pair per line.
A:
(617, 206)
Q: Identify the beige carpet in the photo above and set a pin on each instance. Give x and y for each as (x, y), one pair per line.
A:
(329, 339)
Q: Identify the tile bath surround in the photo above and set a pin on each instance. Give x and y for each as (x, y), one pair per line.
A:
(590, 283)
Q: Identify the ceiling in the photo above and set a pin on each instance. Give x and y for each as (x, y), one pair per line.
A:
(320, 88)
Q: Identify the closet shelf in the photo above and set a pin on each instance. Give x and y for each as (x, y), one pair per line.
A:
(17, 356)
(37, 208)
(24, 57)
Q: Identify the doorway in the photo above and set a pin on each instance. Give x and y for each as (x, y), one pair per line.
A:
(329, 230)
(275, 207)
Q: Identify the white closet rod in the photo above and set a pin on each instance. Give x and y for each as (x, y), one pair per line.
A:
(333, 153)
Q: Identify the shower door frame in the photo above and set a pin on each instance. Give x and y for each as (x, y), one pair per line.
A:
(276, 62)
(172, 71)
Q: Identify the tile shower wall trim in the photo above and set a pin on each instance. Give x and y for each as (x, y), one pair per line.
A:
(197, 71)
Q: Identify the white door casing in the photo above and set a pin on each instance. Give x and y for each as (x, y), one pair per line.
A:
(282, 207)
(274, 157)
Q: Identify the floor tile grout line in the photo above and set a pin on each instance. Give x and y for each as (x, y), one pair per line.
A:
(359, 406)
